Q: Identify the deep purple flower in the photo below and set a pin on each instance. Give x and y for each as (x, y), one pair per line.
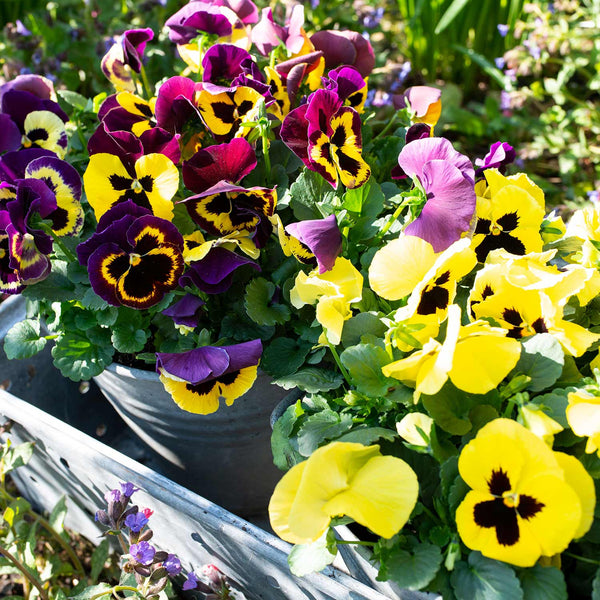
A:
(447, 178)
(143, 553)
(345, 48)
(348, 84)
(34, 84)
(195, 18)
(128, 489)
(175, 103)
(173, 565)
(213, 274)
(136, 522)
(186, 311)
(221, 64)
(322, 237)
(500, 155)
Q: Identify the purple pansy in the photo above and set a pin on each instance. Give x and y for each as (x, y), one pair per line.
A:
(143, 553)
(186, 311)
(213, 274)
(133, 44)
(176, 103)
(136, 522)
(501, 155)
(322, 237)
(345, 48)
(195, 18)
(348, 84)
(447, 178)
(37, 85)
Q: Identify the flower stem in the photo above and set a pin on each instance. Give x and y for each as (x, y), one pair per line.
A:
(356, 542)
(336, 357)
(47, 229)
(116, 588)
(387, 127)
(391, 221)
(146, 83)
(28, 576)
(582, 558)
(265, 149)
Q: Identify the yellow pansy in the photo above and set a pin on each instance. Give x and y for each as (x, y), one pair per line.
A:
(583, 416)
(538, 422)
(333, 292)
(343, 478)
(475, 357)
(408, 428)
(519, 492)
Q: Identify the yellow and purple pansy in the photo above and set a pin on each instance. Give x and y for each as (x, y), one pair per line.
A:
(349, 85)
(326, 136)
(134, 258)
(198, 378)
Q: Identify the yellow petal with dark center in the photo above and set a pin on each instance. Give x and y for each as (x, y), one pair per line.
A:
(236, 384)
(162, 179)
(200, 399)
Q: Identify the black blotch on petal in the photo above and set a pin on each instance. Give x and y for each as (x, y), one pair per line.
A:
(499, 483)
(529, 506)
(348, 164)
(431, 300)
(509, 221)
(494, 513)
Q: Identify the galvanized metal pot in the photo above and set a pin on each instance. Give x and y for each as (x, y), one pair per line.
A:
(225, 457)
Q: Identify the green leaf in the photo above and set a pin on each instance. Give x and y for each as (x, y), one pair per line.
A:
(317, 428)
(557, 401)
(451, 13)
(543, 583)
(284, 448)
(99, 558)
(542, 359)
(311, 558)
(243, 329)
(91, 591)
(367, 200)
(368, 435)
(17, 456)
(364, 363)
(503, 81)
(283, 356)
(259, 304)
(311, 380)
(23, 340)
(596, 586)
(55, 288)
(307, 194)
(363, 323)
(449, 408)
(126, 338)
(485, 579)
(92, 301)
(57, 517)
(78, 358)
(76, 100)
(412, 569)
(15, 511)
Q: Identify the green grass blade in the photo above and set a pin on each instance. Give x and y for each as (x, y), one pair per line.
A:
(503, 81)
(453, 11)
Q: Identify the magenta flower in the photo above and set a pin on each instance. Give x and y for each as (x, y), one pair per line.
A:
(447, 178)
(501, 155)
(133, 44)
(196, 18)
(176, 103)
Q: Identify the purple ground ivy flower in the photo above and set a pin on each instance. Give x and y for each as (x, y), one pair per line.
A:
(143, 553)
(191, 583)
(196, 379)
(136, 522)
(501, 155)
(113, 496)
(447, 179)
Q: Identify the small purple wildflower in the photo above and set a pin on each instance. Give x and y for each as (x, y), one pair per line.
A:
(500, 62)
(373, 19)
(401, 77)
(143, 553)
(21, 29)
(511, 74)
(173, 565)
(503, 29)
(505, 102)
(533, 48)
(594, 196)
(128, 489)
(136, 522)
(113, 496)
(191, 583)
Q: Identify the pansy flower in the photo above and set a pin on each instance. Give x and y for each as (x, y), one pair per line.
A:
(343, 478)
(225, 113)
(333, 292)
(128, 112)
(447, 179)
(134, 258)
(124, 56)
(349, 85)
(151, 183)
(185, 312)
(10, 280)
(423, 102)
(345, 48)
(501, 155)
(326, 136)
(509, 215)
(475, 357)
(198, 378)
(583, 416)
(519, 492)
(176, 103)
(267, 35)
(312, 241)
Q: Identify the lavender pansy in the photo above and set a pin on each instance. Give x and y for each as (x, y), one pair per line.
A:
(447, 179)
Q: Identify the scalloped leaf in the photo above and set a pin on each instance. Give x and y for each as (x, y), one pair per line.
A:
(77, 357)
(259, 304)
(24, 340)
(311, 380)
(283, 356)
(322, 426)
(543, 583)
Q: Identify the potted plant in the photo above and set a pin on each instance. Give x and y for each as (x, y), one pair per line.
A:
(156, 232)
(462, 445)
